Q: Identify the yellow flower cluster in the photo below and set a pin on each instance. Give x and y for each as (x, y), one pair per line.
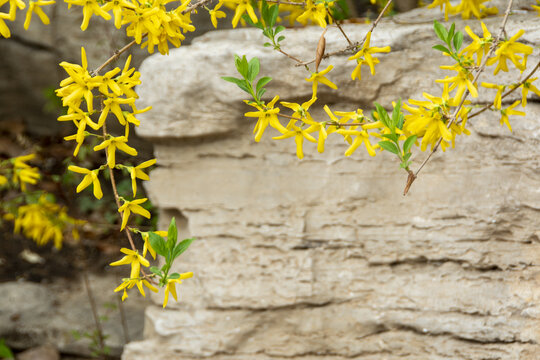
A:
(466, 8)
(23, 173)
(44, 221)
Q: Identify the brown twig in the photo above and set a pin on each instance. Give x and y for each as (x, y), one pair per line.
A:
(464, 97)
(354, 45)
(341, 29)
(514, 88)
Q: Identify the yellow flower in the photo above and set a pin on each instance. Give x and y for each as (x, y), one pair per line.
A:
(267, 116)
(299, 135)
(241, 7)
(364, 57)
(146, 238)
(507, 50)
(90, 7)
(35, 7)
(497, 103)
(112, 104)
(479, 46)
(137, 173)
(43, 221)
(117, 6)
(300, 111)
(13, 6)
(216, 14)
(78, 85)
(318, 77)
(510, 111)
(4, 29)
(3, 180)
(474, 7)
(462, 81)
(112, 144)
(525, 87)
(132, 206)
(132, 257)
(361, 137)
(314, 12)
(129, 283)
(171, 287)
(23, 173)
(91, 177)
(441, 3)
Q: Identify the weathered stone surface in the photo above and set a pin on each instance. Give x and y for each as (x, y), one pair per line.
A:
(44, 352)
(324, 258)
(33, 314)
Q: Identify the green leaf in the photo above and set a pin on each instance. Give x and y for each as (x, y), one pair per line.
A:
(400, 121)
(181, 247)
(389, 146)
(279, 29)
(395, 113)
(407, 156)
(442, 48)
(383, 116)
(393, 137)
(262, 82)
(274, 12)
(260, 93)
(281, 38)
(267, 44)
(155, 270)
(5, 352)
(408, 143)
(253, 69)
(173, 276)
(157, 243)
(458, 40)
(450, 34)
(264, 12)
(172, 234)
(440, 30)
(242, 84)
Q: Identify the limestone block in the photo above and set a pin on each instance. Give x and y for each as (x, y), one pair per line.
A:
(324, 258)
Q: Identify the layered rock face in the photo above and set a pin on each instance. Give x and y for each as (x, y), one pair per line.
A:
(324, 258)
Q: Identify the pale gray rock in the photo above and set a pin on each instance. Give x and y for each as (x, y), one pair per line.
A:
(324, 258)
(44, 352)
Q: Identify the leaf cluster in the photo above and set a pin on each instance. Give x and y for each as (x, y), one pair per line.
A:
(452, 39)
(170, 249)
(395, 124)
(269, 15)
(249, 71)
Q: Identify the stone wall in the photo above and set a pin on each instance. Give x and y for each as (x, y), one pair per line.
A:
(324, 258)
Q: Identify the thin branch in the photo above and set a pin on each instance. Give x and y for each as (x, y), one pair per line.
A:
(354, 45)
(514, 88)
(115, 56)
(341, 29)
(458, 109)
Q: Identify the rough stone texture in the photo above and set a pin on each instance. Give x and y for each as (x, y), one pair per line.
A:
(324, 258)
(44, 352)
(33, 314)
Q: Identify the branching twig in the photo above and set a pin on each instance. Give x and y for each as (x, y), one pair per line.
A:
(514, 88)
(354, 45)
(482, 67)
